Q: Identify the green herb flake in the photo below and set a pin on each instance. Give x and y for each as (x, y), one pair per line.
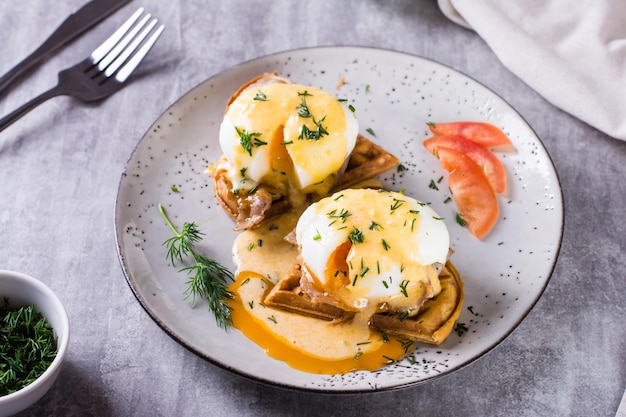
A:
(460, 220)
(370, 131)
(356, 236)
(407, 344)
(260, 96)
(396, 204)
(303, 109)
(403, 286)
(404, 315)
(174, 189)
(248, 140)
(309, 134)
(460, 328)
(375, 226)
(343, 215)
(433, 185)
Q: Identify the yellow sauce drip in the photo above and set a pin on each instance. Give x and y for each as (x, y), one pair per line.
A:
(308, 344)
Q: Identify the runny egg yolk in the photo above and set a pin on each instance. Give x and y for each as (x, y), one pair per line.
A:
(286, 133)
(372, 248)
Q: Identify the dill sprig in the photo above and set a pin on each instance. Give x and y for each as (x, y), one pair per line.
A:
(207, 278)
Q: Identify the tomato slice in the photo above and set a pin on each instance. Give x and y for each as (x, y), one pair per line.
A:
(483, 157)
(471, 191)
(484, 134)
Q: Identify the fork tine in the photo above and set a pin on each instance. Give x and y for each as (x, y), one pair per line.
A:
(136, 59)
(106, 46)
(119, 47)
(128, 51)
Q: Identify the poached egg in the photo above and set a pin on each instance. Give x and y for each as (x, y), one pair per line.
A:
(373, 250)
(286, 135)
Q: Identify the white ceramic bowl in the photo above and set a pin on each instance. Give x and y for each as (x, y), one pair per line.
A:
(24, 290)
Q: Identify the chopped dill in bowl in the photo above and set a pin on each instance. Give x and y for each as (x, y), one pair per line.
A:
(27, 346)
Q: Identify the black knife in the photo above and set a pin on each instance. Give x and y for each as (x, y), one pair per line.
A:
(85, 18)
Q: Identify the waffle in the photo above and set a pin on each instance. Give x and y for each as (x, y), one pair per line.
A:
(435, 319)
(431, 324)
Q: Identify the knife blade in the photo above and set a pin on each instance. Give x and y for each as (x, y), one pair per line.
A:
(74, 25)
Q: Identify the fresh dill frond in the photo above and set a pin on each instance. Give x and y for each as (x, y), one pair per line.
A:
(208, 279)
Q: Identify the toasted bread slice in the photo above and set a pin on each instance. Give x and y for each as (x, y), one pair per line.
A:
(432, 324)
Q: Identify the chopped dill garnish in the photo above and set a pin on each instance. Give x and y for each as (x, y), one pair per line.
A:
(375, 226)
(248, 140)
(403, 286)
(460, 220)
(407, 344)
(356, 236)
(260, 96)
(460, 328)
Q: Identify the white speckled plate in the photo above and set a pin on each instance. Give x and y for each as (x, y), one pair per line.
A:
(395, 95)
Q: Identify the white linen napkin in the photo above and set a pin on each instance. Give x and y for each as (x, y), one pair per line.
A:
(573, 53)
